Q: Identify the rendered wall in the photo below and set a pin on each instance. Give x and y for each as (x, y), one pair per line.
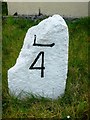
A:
(70, 9)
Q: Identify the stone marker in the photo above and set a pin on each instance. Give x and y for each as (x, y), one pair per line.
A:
(42, 65)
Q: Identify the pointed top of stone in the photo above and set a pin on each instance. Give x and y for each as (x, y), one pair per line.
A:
(54, 20)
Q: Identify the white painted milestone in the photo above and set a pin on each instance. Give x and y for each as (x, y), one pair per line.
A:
(42, 65)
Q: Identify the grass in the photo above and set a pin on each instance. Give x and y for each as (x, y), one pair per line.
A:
(75, 102)
(4, 8)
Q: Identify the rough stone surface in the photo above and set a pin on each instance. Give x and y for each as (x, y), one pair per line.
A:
(53, 82)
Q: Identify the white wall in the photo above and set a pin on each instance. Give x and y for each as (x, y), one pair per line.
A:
(47, 0)
(70, 9)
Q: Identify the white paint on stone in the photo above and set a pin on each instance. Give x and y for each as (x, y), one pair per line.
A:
(52, 85)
